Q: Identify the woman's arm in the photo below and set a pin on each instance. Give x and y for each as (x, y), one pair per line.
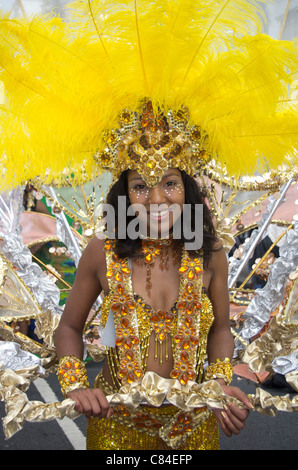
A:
(220, 339)
(220, 343)
(85, 290)
(69, 334)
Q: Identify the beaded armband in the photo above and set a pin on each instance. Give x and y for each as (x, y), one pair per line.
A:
(72, 374)
(220, 370)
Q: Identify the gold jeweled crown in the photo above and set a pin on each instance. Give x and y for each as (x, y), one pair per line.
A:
(152, 141)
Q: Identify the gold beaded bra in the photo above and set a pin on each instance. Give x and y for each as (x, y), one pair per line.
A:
(186, 325)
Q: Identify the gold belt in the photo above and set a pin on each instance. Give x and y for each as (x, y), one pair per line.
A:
(168, 422)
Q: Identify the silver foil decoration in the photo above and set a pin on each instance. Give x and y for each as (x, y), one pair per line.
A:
(285, 364)
(64, 231)
(267, 299)
(256, 236)
(14, 358)
(13, 248)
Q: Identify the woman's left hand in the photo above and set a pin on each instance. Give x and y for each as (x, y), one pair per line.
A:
(232, 419)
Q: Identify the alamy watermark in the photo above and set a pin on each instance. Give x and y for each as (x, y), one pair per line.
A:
(156, 221)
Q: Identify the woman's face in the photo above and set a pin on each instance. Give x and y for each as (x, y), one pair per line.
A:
(161, 206)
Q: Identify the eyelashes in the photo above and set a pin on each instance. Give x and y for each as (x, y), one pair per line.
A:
(170, 188)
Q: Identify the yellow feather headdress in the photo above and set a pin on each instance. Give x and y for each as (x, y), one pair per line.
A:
(78, 91)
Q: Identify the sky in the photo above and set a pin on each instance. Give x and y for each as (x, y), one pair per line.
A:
(31, 7)
(275, 12)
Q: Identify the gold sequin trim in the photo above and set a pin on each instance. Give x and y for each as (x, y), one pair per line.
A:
(109, 434)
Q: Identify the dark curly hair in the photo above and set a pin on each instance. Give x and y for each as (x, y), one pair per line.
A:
(194, 194)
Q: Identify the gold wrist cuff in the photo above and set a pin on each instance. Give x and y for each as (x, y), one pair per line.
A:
(72, 374)
(220, 370)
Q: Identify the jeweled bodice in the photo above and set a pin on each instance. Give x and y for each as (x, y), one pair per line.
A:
(186, 325)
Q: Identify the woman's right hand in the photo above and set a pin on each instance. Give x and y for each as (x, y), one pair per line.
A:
(91, 402)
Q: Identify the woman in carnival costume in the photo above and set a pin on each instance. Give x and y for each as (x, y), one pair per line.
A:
(157, 294)
(155, 93)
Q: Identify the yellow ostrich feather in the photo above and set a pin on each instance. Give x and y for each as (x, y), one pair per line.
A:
(66, 81)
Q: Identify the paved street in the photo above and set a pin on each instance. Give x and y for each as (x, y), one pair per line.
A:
(261, 432)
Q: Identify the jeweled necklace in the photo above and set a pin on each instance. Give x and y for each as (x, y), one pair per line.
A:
(153, 248)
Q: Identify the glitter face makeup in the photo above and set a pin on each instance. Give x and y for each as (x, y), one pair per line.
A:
(163, 203)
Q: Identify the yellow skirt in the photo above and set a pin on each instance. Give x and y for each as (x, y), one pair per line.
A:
(110, 434)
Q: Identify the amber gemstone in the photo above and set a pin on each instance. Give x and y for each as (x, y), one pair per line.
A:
(154, 318)
(123, 309)
(190, 274)
(178, 338)
(168, 320)
(138, 373)
(194, 340)
(191, 375)
(185, 344)
(183, 269)
(130, 378)
(189, 287)
(120, 289)
(184, 356)
(183, 379)
(134, 340)
(125, 270)
(162, 335)
(129, 355)
(181, 304)
(126, 117)
(187, 419)
(125, 322)
(175, 374)
(189, 308)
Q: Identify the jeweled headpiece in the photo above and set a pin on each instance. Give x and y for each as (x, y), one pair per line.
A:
(151, 142)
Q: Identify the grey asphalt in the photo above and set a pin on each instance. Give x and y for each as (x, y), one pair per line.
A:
(260, 433)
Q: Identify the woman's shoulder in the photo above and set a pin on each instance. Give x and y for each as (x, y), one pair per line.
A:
(218, 260)
(96, 243)
(94, 251)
